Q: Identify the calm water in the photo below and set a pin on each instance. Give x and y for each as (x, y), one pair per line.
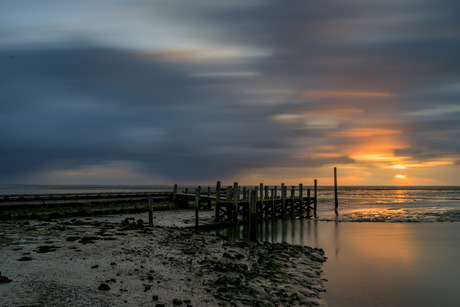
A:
(378, 264)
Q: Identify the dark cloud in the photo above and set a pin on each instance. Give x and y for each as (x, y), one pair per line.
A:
(70, 103)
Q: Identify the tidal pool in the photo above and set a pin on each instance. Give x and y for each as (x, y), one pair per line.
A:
(378, 264)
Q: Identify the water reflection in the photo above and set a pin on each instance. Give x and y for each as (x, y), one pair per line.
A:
(377, 264)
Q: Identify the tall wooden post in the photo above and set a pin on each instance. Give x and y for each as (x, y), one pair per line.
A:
(236, 194)
(276, 191)
(301, 199)
(308, 203)
(150, 210)
(197, 205)
(261, 197)
(292, 201)
(174, 192)
(245, 197)
(217, 219)
(283, 201)
(252, 216)
(273, 205)
(316, 195)
(335, 190)
(266, 192)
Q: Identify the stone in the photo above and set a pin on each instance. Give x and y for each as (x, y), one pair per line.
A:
(4, 279)
(104, 287)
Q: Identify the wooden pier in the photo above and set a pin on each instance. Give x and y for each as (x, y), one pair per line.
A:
(231, 204)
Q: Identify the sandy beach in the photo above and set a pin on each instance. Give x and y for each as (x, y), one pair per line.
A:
(121, 261)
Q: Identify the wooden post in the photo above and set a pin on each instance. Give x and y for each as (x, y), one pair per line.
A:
(252, 216)
(266, 192)
(256, 189)
(261, 192)
(273, 205)
(308, 203)
(186, 190)
(244, 194)
(174, 192)
(150, 210)
(335, 190)
(217, 219)
(209, 199)
(229, 192)
(316, 195)
(235, 201)
(293, 202)
(301, 199)
(197, 205)
(276, 191)
(283, 200)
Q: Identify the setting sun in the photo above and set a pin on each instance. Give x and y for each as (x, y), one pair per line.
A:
(401, 176)
(399, 166)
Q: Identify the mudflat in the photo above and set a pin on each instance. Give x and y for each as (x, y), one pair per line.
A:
(96, 262)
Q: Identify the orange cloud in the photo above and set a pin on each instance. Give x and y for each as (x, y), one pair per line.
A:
(347, 94)
(364, 132)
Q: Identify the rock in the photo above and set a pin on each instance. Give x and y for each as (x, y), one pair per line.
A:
(95, 266)
(155, 297)
(4, 279)
(104, 287)
(24, 259)
(177, 302)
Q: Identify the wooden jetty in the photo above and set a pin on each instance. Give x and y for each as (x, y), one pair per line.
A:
(231, 204)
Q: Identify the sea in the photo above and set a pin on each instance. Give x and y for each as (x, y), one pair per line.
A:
(386, 246)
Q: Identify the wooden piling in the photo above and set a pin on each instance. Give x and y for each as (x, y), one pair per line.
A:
(245, 193)
(283, 201)
(261, 192)
(301, 199)
(235, 201)
(292, 202)
(335, 190)
(273, 205)
(266, 192)
(308, 203)
(174, 192)
(316, 196)
(197, 205)
(217, 219)
(150, 210)
(252, 216)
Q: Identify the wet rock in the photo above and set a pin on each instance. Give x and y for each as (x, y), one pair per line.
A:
(95, 266)
(155, 297)
(46, 248)
(24, 259)
(4, 279)
(104, 287)
(177, 302)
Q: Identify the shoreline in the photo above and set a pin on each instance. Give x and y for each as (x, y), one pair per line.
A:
(66, 262)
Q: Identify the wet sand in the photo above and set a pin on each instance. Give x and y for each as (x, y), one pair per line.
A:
(111, 261)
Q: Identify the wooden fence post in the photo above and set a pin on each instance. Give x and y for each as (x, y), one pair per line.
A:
(301, 199)
(293, 202)
(308, 203)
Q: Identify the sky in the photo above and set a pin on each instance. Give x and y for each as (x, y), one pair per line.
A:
(192, 92)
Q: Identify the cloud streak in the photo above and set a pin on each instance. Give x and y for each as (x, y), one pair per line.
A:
(198, 92)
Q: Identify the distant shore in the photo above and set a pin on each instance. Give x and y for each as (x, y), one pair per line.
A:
(100, 261)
